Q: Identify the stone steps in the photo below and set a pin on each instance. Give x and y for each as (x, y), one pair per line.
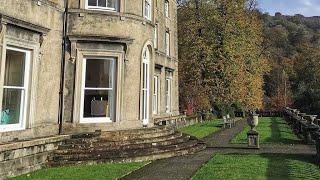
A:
(106, 152)
(148, 157)
(123, 136)
(123, 146)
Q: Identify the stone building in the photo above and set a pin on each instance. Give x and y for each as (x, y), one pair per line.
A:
(115, 59)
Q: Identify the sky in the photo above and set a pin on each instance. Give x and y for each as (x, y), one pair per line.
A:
(291, 7)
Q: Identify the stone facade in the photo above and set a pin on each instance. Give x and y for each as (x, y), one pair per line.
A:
(122, 36)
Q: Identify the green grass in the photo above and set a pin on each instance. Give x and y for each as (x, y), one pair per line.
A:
(258, 167)
(201, 130)
(83, 172)
(271, 131)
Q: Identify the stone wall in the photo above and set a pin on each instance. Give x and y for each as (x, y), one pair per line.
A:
(36, 26)
(18, 158)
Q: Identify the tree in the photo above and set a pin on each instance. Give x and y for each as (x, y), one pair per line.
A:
(220, 54)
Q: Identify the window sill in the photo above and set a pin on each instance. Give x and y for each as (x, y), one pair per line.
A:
(101, 9)
(95, 121)
(11, 129)
(95, 11)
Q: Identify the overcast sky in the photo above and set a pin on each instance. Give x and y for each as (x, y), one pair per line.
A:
(291, 7)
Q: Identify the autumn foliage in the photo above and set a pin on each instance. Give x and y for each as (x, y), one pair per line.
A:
(220, 52)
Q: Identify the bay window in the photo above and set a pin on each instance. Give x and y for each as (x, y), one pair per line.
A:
(98, 90)
(108, 5)
(14, 89)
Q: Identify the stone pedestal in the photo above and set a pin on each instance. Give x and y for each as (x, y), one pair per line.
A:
(253, 139)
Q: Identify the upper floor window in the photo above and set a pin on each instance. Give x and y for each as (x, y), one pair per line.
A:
(147, 9)
(156, 36)
(167, 43)
(108, 5)
(166, 8)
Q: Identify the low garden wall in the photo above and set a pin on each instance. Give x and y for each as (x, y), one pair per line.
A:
(177, 121)
(22, 157)
(261, 114)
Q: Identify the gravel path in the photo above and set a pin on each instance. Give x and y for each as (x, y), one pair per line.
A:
(183, 167)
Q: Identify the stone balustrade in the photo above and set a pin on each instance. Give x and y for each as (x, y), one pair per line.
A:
(306, 126)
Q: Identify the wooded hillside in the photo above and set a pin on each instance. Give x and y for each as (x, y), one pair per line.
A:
(232, 57)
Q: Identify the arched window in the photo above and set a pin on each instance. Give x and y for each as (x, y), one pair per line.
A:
(145, 85)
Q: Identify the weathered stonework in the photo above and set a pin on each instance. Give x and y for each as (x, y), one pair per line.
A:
(37, 25)
(25, 24)
(22, 157)
(126, 32)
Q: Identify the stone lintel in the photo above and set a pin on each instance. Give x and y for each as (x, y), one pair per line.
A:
(4, 19)
(169, 69)
(99, 38)
(158, 66)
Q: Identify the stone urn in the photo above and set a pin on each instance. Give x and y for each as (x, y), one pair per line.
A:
(253, 120)
(252, 134)
(313, 118)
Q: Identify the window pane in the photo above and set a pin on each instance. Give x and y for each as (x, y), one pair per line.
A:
(145, 106)
(97, 103)
(11, 106)
(92, 2)
(14, 68)
(166, 8)
(167, 43)
(112, 4)
(99, 73)
(102, 3)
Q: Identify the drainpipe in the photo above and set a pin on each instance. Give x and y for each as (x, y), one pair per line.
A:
(62, 65)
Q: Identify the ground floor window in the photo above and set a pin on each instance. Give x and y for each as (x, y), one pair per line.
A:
(168, 88)
(98, 90)
(156, 90)
(14, 81)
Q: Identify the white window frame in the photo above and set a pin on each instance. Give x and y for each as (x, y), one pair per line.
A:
(101, 8)
(167, 43)
(147, 12)
(156, 90)
(145, 85)
(24, 91)
(155, 36)
(166, 8)
(168, 92)
(90, 120)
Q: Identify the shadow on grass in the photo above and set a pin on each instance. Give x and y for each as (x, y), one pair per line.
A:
(279, 129)
(284, 166)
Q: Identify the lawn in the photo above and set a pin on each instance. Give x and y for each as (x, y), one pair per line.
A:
(85, 172)
(272, 130)
(259, 167)
(201, 130)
